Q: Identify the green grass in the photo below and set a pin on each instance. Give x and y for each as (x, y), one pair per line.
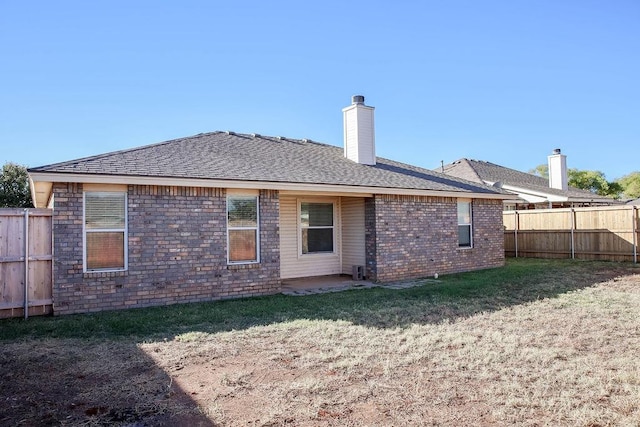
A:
(456, 295)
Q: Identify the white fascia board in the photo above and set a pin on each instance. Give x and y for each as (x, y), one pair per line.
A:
(554, 198)
(258, 185)
(527, 194)
(524, 192)
(595, 200)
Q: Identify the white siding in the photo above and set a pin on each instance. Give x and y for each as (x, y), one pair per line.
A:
(353, 239)
(292, 262)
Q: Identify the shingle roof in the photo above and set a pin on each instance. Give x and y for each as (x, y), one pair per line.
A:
(245, 157)
(482, 171)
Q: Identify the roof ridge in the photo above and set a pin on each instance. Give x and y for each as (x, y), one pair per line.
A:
(470, 163)
(174, 140)
(280, 138)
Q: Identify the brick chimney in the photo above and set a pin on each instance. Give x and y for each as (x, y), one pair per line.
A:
(359, 136)
(558, 170)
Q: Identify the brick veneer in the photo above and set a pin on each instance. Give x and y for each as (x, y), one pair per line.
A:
(414, 236)
(177, 251)
(177, 246)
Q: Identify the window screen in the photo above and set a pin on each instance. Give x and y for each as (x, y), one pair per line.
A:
(464, 224)
(242, 228)
(105, 220)
(316, 223)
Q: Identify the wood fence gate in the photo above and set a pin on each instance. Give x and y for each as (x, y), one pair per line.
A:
(25, 262)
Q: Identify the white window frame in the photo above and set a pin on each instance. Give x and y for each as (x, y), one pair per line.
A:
(334, 227)
(469, 224)
(256, 228)
(86, 230)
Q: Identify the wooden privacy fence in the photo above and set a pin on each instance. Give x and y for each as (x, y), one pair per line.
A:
(603, 233)
(25, 262)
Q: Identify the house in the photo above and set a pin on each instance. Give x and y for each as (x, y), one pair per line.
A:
(224, 215)
(534, 192)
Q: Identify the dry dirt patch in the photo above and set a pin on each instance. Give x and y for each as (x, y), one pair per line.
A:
(571, 360)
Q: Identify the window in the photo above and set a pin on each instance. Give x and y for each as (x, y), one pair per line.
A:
(242, 229)
(316, 227)
(105, 231)
(464, 224)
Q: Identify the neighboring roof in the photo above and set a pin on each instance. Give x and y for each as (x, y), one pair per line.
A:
(634, 202)
(250, 157)
(492, 174)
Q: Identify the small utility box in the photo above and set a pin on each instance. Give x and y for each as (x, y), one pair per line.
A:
(358, 272)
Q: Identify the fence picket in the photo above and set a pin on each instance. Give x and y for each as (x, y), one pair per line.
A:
(580, 233)
(25, 262)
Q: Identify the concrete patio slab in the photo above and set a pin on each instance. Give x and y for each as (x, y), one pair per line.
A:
(337, 283)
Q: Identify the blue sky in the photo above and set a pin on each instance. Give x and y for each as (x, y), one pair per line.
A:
(501, 81)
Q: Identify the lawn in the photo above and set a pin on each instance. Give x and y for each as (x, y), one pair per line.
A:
(538, 342)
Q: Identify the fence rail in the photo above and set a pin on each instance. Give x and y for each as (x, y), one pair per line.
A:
(601, 233)
(25, 262)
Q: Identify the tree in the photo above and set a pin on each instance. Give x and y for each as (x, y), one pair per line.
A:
(593, 181)
(14, 187)
(540, 170)
(631, 185)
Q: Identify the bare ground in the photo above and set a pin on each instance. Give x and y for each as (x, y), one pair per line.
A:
(569, 360)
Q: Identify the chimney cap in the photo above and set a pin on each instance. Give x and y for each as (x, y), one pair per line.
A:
(357, 99)
(557, 151)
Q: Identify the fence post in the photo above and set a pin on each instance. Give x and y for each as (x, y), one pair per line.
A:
(26, 263)
(634, 230)
(572, 212)
(515, 233)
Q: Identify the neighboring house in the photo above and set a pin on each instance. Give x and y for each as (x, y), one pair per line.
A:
(224, 215)
(634, 202)
(534, 192)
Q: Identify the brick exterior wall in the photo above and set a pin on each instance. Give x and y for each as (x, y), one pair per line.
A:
(370, 239)
(177, 251)
(414, 236)
(177, 241)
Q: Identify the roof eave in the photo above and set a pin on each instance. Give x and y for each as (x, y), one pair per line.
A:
(41, 192)
(40, 178)
(542, 194)
(559, 198)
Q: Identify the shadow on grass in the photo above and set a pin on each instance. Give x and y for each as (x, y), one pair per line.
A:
(460, 295)
(57, 381)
